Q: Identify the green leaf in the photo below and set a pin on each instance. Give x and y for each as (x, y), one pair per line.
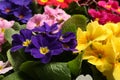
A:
(16, 59)
(8, 34)
(75, 64)
(17, 76)
(1, 77)
(74, 8)
(74, 22)
(52, 71)
(18, 27)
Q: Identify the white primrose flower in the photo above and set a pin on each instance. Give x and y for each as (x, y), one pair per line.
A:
(5, 67)
(82, 77)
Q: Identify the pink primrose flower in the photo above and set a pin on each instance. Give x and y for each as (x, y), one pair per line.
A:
(50, 16)
(4, 24)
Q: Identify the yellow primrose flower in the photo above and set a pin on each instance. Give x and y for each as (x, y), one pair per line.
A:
(94, 32)
(102, 56)
(114, 27)
(116, 46)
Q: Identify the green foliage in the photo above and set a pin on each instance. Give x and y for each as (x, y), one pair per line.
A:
(17, 76)
(17, 26)
(36, 8)
(51, 71)
(88, 68)
(74, 8)
(1, 77)
(75, 65)
(74, 22)
(8, 33)
(16, 59)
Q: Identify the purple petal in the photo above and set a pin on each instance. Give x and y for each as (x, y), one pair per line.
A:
(46, 58)
(15, 48)
(36, 54)
(35, 42)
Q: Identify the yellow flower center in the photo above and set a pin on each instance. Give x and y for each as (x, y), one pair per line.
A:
(21, 16)
(100, 55)
(44, 50)
(108, 6)
(1, 67)
(118, 59)
(44, 1)
(118, 10)
(7, 10)
(60, 0)
(2, 30)
(97, 19)
(26, 43)
(65, 46)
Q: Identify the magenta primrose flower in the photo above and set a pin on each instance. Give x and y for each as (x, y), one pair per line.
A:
(111, 5)
(103, 16)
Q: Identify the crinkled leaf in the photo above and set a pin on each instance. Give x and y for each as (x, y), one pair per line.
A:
(74, 22)
(51, 71)
(17, 76)
(8, 34)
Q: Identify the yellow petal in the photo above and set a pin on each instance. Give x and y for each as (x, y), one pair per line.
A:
(116, 72)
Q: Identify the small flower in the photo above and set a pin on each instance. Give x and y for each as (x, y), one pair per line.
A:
(5, 67)
(22, 40)
(82, 77)
(63, 3)
(45, 47)
(103, 16)
(6, 8)
(110, 5)
(44, 2)
(85, 38)
(49, 30)
(22, 14)
(100, 55)
(4, 24)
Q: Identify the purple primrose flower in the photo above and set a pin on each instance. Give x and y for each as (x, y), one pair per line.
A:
(21, 40)
(49, 30)
(23, 14)
(6, 7)
(45, 47)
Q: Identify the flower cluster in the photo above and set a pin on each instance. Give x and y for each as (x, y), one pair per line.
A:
(101, 44)
(17, 10)
(39, 42)
(108, 14)
(61, 3)
(50, 16)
